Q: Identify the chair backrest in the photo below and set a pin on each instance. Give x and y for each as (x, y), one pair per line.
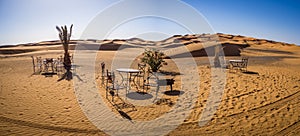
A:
(60, 58)
(110, 79)
(142, 67)
(102, 68)
(37, 64)
(39, 60)
(72, 58)
(143, 73)
(49, 60)
(33, 64)
(245, 62)
(110, 76)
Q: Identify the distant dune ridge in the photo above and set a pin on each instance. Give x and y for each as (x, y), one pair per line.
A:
(233, 44)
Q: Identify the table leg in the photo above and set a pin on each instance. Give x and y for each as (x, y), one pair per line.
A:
(128, 82)
(122, 80)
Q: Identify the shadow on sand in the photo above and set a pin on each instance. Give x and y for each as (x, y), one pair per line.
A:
(49, 74)
(173, 93)
(67, 76)
(124, 115)
(165, 101)
(139, 96)
(48, 127)
(119, 106)
(251, 72)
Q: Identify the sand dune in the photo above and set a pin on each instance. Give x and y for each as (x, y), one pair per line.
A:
(195, 43)
(262, 101)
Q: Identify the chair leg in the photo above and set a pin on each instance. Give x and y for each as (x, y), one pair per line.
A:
(145, 85)
(102, 80)
(107, 89)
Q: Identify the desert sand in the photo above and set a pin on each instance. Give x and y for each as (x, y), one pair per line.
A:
(263, 101)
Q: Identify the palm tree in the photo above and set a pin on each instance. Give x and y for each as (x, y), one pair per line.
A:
(64, 37)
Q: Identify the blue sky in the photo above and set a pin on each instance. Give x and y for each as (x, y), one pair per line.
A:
(24, 21)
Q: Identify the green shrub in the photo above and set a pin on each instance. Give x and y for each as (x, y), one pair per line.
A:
(154, 59)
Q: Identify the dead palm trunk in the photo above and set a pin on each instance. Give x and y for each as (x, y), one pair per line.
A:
(64, 37)
(217, 54)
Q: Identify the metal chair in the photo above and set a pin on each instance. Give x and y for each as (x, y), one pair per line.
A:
(73, 66)
(151, 80)
(59, 66)
(239, 64)
(141, 75)
(102, 73)
(244, 64)
(37, 65)
(111, 86)
(48, 63)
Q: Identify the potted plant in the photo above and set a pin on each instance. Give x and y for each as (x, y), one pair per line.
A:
(154, 59)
